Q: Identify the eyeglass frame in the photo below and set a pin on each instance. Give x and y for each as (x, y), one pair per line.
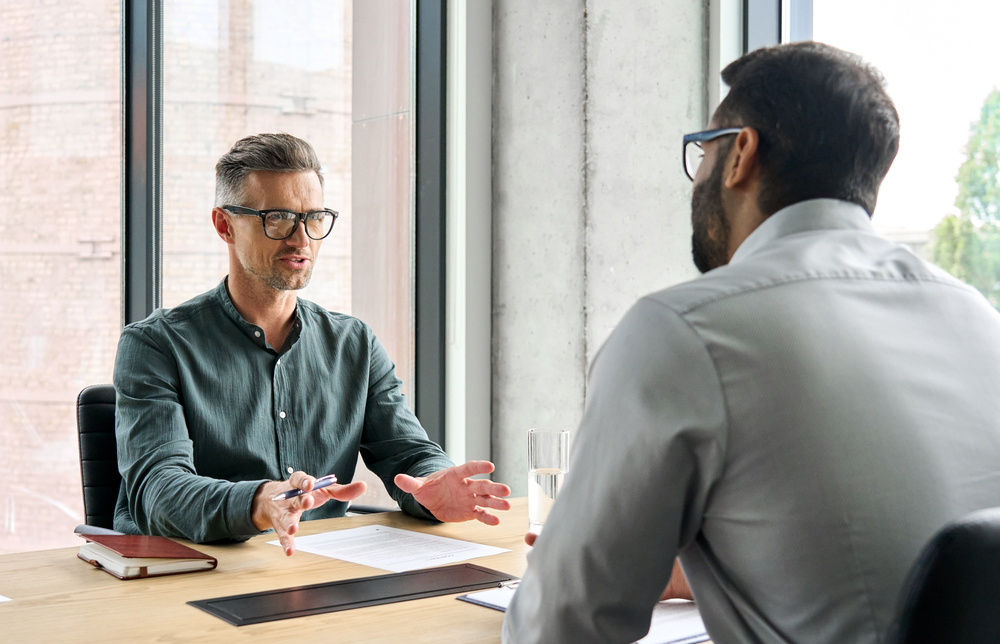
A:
(300, 219)
(702, 137)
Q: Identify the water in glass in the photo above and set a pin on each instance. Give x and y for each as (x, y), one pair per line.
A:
(543, 487)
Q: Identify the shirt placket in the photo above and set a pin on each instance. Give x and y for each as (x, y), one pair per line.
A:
(283, 420)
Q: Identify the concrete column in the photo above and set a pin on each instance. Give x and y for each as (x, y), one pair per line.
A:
(646, 64)
(591, 207)
(538, 226)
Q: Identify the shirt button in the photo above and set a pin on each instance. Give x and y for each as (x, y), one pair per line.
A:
(282, 414)
(256, 334)
(290, 470)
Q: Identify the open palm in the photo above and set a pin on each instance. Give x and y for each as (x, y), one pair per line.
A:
(451, 495)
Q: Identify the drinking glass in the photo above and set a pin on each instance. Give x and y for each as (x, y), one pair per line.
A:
(548, 459)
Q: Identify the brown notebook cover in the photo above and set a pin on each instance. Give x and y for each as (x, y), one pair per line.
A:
(146, 547)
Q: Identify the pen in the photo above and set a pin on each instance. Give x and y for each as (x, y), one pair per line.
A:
(326, 481)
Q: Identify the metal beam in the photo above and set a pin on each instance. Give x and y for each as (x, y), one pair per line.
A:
(430, 215)
(800, 20)
(142, 137)
(761, 24)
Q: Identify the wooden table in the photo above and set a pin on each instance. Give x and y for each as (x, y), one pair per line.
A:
(59, 598)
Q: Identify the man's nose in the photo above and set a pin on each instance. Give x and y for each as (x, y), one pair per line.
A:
(298, 239)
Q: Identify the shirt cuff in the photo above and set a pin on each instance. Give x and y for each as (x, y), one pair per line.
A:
(410, 506)
(240, 512)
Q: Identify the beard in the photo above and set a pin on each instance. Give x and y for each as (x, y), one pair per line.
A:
(280, 282)
(709, 225)
(275, 278)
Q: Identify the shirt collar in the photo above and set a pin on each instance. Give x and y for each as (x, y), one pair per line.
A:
(252, 331)
(805, 216)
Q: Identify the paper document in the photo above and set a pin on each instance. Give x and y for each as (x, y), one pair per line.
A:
(391, 548)
(495, 598)
(673, 622)
(4, 599)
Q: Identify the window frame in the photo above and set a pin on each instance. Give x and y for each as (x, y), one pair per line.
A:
(770, 22)
(142, 157)
(736, 27)
(430, 217)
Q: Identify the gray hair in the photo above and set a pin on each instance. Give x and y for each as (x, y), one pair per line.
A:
(261, 152)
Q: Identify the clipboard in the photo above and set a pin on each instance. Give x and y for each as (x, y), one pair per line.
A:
(285, 603)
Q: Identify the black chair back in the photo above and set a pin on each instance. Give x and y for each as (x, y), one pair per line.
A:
(953, 592)
(95, 421)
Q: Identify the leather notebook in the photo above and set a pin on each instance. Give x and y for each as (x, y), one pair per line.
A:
(271, 605)
(128, 556)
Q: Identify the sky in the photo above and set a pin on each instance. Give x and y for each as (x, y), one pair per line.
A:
(940, 61)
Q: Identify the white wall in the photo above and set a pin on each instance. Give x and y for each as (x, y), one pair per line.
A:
(591, 207)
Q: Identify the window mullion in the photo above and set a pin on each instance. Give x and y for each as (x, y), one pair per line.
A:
(142, 137)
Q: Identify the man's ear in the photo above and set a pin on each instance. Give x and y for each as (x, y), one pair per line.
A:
(223, 226)
(742, 164)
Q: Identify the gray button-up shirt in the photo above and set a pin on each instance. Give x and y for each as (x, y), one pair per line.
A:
(207, 411)
(796, 424)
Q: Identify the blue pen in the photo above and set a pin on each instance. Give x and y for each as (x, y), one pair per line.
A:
(326, 481)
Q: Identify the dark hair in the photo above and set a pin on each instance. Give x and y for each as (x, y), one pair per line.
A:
(827, 127)
(261, 152)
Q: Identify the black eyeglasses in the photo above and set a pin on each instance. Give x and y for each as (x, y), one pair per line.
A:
(282, 224)
(692, 158)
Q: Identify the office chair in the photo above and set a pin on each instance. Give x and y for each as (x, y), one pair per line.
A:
(952, 594)
(95, 423)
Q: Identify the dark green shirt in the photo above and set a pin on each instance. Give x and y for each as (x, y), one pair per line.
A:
(207, 411)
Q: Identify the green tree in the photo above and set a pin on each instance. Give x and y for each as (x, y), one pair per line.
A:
(967, 245)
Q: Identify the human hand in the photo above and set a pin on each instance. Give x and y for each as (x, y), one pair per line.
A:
(677, 587)
(450, 495)
(529, 538)
(284, 515)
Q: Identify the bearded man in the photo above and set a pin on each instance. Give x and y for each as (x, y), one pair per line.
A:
(797, 422)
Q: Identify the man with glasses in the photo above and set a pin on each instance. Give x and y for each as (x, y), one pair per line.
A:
(240, 395)
(796, 423)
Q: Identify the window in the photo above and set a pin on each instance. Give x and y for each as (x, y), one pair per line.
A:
(943, 76)
(60, 176)
(235, 69)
